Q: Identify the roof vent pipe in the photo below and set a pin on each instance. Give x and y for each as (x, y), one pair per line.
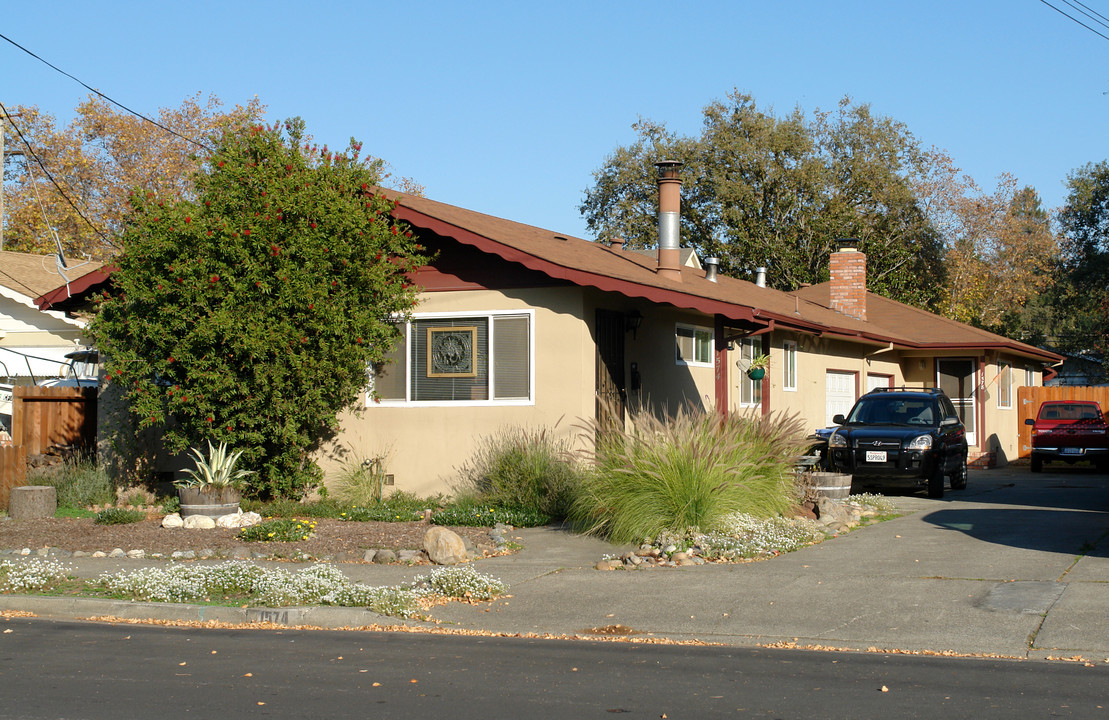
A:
(669, 219)
(712, 265)
(760, 276)
(617, 243)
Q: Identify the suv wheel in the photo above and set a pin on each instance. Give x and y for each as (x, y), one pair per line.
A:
(935, 481)
(959, 477)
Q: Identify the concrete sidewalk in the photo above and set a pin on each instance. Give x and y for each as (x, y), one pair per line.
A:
(1017, 565)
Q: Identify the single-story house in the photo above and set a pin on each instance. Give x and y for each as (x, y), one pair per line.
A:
(42, 318)
(518, 325)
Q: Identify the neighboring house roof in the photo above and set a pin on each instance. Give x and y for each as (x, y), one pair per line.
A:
(36, 280)
(913, 327)
(633, 274)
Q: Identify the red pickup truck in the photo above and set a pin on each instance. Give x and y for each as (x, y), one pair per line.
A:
(1069, 431)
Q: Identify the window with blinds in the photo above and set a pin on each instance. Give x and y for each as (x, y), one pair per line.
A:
(474, 358)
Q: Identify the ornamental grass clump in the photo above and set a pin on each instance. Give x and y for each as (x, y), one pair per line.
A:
(520, 467)
(686, 473)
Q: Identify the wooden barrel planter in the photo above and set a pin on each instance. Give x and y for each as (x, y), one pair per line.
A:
(213, 502)
(832, 485)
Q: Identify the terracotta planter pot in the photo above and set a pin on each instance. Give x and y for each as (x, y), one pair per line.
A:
(213, 502)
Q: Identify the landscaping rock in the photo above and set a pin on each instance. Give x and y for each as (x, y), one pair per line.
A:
(368, 556)
(444, 546)
(172, 521)
(831, 511)
(383, 557)
(199, 522)
(411, 556)
(240, 553)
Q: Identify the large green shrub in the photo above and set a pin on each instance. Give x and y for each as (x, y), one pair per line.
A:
(688, 472)
(249, 314)
(522, 468)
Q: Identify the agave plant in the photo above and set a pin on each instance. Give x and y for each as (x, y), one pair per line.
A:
(215, 471)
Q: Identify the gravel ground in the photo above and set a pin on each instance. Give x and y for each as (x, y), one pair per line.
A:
(332, 537)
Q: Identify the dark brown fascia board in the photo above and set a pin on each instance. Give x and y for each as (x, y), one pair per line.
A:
(74, 287)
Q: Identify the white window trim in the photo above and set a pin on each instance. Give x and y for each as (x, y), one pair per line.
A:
(489, 314)
(789, 350)
(1001, 365)
(712, 344)
(754, 385)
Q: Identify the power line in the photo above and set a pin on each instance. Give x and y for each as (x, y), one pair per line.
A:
(1064, 14)
(114, 102)
(1103, 21)
(61, 191)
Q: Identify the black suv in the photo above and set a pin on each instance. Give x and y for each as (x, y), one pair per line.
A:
(902, 434)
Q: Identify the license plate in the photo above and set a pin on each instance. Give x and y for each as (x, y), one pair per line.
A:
(1071, 451)
(875, 455)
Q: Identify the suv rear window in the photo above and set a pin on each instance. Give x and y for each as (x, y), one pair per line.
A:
(893, 411)
(1068, 411)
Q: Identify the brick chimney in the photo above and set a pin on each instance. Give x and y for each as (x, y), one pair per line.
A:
(847, 267)
(669, 219)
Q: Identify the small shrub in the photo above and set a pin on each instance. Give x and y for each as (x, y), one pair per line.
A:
(119, 516)
(32, 576)
(278, 530)
(217, 470)
(171, 505)
(880, 503)
(79, 483)
(469, 513)
(687, 472)
(522, 468)
(462, 582)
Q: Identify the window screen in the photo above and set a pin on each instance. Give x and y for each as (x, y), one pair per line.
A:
(511, 357)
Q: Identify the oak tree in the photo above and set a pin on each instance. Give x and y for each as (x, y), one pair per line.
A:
(97, 160)
(762, 189)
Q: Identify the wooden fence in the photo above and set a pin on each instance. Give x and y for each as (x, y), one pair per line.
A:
(1030, 398)
(43, 417)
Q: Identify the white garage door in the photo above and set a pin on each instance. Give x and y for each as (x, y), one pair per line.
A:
(839, 394)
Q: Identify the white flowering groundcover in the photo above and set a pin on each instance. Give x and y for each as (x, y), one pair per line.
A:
(238, 581)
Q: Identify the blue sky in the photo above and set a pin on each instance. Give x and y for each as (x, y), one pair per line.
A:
(507, 108)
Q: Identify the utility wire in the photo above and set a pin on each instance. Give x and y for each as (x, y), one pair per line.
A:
(1088, 12)
(1064, 14)
(117, 104)
(61, 190)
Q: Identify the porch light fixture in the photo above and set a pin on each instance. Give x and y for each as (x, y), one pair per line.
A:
(632, 321)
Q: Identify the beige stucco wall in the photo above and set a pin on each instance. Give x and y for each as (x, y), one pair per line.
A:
(423, 445)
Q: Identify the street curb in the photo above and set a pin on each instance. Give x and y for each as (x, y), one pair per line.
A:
(59, 608)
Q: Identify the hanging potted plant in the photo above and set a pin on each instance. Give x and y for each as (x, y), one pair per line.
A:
(756, 368)
(214, 486)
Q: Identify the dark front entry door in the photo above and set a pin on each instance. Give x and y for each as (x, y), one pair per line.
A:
(611, 391)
